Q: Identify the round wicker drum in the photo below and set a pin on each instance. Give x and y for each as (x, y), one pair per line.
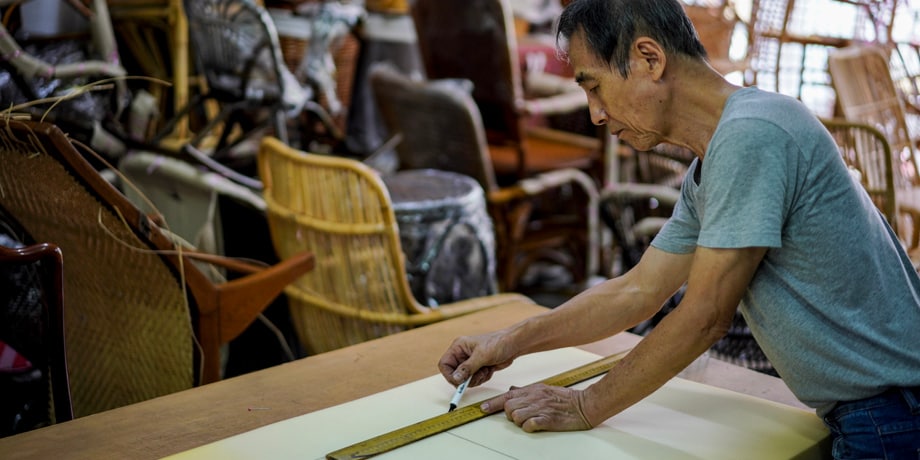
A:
(446, 234)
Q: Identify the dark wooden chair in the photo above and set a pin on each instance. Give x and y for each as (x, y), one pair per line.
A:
(143, 319)
(546, 217)
(46, 348)
(475, 40)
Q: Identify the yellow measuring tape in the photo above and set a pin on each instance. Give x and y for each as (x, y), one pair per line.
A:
(441, 423)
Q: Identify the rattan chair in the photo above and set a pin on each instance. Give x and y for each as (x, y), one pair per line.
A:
(340, 210)
(866, 152)
(42, 340)
(867, 95)
(780, 38)
(475, 40)
(237, 50)
(552, 216)
(142, 319)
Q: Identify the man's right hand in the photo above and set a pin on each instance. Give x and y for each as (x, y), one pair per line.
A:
(479, 356)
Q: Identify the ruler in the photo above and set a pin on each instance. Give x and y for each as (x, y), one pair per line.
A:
(441, 423)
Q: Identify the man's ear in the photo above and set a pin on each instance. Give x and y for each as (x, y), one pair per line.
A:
(649, 57)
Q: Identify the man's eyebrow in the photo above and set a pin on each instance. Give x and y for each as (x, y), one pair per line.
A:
(582, 77)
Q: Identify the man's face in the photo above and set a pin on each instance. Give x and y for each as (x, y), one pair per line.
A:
(628, 106)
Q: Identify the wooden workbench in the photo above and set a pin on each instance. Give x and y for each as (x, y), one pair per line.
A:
(181, 421)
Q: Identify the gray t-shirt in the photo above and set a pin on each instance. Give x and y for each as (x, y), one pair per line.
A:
(835, 303)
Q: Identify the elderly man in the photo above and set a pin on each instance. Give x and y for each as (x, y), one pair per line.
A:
(768, 219)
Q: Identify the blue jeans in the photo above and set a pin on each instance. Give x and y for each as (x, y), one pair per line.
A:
(886, 426)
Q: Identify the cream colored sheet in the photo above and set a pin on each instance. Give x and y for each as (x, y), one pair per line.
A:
(682, 420)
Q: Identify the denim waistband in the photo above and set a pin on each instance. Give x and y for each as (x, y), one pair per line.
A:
(910, 396)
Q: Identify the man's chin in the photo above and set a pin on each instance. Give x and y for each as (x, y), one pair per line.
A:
(638, 144)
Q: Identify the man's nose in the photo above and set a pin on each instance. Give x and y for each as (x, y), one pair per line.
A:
(598, 114)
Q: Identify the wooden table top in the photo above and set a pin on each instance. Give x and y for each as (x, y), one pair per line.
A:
(181, 421)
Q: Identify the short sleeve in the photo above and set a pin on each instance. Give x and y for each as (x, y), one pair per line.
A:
(745, 191)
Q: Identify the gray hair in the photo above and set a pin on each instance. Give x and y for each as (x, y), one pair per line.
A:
(610, 26)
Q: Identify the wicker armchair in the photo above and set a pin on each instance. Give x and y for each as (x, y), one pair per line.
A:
(142, 319)
(238, 51)
(340, 210)
(475, 40)
(866, 94)
(866, 152)
(552, 216)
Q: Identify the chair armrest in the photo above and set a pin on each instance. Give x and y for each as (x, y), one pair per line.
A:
(547, 181)
(911, 211)
(550, 94)
(565, 137)
(30, 66)
(631, 192)
(426, 315)
(542, 84)
(230, 263)
(227, 309)
(557, 104)
(552, 180)
(467, 306)
(241, 300)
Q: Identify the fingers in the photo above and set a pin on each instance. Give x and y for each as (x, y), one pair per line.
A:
(495, 404)
(478, 356)
(540, 408)
(455, 364)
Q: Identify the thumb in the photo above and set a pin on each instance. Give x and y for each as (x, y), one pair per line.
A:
(466, 369)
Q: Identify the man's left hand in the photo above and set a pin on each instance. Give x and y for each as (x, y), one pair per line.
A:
(540, 407)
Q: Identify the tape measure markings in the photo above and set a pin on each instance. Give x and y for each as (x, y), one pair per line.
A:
(461, 416)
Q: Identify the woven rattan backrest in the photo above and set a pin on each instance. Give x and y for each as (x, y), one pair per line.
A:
(128, 327)
(340, 210)
(235, 42)
(439, 123)
(865, 150)
(866, 94)
(766, 35)
(475, 40)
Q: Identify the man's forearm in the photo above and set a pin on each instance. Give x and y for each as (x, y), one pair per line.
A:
(597, 313)
(668, 349)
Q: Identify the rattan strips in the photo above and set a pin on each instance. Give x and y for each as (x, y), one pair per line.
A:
(341, 211)
(132, 333)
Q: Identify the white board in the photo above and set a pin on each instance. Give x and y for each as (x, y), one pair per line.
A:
(682, 420)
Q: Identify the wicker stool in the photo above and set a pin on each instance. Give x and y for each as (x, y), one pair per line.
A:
(446, 234)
